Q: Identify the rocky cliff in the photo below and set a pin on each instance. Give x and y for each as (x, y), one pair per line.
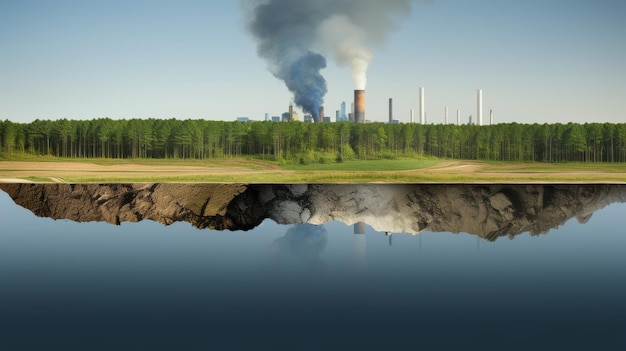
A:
(489, 211)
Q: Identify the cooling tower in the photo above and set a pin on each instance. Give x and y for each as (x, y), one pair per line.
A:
(359, 106)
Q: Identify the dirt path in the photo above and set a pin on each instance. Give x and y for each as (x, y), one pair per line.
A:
(15, 171)
(455, 167)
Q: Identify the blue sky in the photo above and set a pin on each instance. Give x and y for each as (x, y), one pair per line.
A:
(536, 61)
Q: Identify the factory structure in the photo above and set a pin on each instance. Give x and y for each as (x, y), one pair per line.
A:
(357, 112)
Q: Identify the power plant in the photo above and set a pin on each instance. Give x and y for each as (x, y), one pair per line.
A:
(358, 112)
(359, 106)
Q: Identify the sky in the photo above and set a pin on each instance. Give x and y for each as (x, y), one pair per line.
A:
(536, 61)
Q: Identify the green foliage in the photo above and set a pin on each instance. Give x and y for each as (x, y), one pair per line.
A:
(306, 144)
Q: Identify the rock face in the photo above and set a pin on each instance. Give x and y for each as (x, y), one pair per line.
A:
(489, 211)
(204, 205)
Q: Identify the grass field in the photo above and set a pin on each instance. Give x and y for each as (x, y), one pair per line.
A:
(49, 169)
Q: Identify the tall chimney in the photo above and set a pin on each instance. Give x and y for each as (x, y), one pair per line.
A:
(390, 110)
(320, 116)
(352, 112)
(359, 106)
(479, 111)
(491, 117)
(458, 117)
(291, 112)
(422, 110)
(446, 114)
(412, 116)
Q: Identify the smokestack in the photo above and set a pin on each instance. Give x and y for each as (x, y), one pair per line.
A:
(291, 112)
(458, 117)
(490, 117)
(320, 116)
(359, 106)
(390, 110)
(412, 116)
(479, 111)
(446, 114)
(422, 110)
(288, 35)
(351, 115)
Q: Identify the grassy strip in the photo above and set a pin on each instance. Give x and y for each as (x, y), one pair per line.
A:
(375, 171)
(530, 167)
(357, 177)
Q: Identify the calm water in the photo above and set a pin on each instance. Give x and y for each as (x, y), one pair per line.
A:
(67, 285)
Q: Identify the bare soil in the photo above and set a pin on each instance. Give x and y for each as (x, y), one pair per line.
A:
(14, 171)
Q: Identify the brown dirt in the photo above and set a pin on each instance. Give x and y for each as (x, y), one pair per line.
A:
(12, 171)
(456, 167)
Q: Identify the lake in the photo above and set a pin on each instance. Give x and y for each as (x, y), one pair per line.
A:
(309, 267)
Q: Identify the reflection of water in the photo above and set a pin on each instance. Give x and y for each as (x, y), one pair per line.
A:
(300, 247)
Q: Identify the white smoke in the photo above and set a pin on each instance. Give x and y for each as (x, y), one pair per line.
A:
(347, 44)
(288, 30)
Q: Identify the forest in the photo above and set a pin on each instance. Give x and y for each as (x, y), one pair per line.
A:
(297, 142)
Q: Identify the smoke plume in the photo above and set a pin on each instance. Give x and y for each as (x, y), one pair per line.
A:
(294, 35)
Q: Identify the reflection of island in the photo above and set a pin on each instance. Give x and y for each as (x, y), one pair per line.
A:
(489, 211)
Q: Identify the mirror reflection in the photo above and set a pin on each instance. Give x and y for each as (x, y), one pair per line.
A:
(489, 211)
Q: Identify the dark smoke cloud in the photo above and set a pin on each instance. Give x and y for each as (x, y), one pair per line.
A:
(293, 36)
(307, 83)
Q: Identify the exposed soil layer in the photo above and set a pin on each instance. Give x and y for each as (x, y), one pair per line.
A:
(489, 210)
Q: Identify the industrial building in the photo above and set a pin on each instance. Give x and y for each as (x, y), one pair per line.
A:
(358, 113)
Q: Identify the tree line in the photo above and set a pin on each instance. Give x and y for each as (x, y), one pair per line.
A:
(296, 142)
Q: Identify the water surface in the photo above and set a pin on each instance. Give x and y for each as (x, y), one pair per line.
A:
(94, 285)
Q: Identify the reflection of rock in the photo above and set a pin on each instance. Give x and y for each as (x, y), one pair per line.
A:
(489, 211)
